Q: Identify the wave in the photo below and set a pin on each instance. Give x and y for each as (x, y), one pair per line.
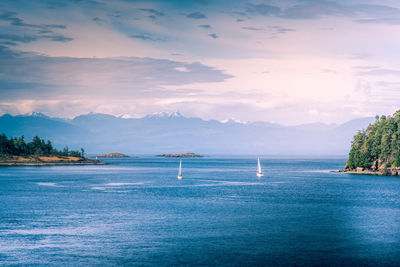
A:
(49, 184)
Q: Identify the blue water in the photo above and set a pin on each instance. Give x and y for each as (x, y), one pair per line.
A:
(136, 212)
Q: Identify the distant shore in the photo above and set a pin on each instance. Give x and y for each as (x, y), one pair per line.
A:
(180, 155)
(47, 161)
(113, 155)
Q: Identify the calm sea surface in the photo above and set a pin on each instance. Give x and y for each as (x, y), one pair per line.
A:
(136, 212)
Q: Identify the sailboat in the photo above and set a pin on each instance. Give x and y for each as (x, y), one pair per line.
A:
(180, 175)
(259, 172)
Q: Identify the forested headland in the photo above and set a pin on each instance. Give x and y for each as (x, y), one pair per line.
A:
(14, 146)
(15, 151)
(377, 148)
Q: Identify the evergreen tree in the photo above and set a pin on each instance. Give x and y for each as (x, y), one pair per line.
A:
(380, 142)
(37, 147)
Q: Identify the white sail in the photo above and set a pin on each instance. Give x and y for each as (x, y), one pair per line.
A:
(180, 176)
(259, 172)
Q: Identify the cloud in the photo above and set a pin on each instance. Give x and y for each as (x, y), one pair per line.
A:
(196, 15)
(393, 21)
(281, 30)
(146, 37)
(377, 72)
(262, 9)
(14, 38)
(55, 26)
(363, 89)
(66, 86)
(361, 13)
(365, 67)
(57, 38)
(17, 38)
(205, 26)
(305, 10)
(98, 20)
(8, 43)
(252, 28)
(152, 11)
(34, 76)
(183, 69)
(377, 14)
(29, 32)
(174, 36)
(315, 9)
(274, 31)
(14, 20)
(329, 71)
(386, 84)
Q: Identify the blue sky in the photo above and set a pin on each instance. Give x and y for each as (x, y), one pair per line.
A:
(284, 61)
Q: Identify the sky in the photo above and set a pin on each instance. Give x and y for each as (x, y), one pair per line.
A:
(288, 61)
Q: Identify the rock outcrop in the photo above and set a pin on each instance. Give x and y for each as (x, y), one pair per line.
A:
(114, 155)
(180, 155)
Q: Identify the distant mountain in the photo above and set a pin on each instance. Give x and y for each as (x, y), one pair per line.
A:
(174, 133)
(57, 130)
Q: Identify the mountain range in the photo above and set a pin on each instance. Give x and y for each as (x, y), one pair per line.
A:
(172, 133)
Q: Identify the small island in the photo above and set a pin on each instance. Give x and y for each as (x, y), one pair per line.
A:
(376, 150)
(114, 155)
(16, 152)
(180, 155)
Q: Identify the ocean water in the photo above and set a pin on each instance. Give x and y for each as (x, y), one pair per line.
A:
(135, 212)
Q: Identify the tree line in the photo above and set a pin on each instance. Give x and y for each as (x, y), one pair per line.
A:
(378, 144)
(14, 146)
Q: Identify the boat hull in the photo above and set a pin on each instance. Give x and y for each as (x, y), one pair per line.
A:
(260, 174)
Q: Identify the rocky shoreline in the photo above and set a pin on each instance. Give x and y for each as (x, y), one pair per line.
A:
(47, 161)
(16, 164)
(382, 171)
